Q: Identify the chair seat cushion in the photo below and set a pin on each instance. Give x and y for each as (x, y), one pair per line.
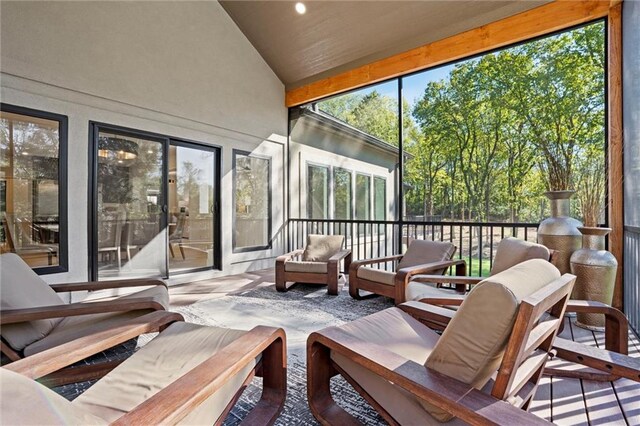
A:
(22, 288)
(26, 402)
(378, 275)
(321, 247)
(309, 267)
(75, 327)
(402, 334)
(417, 290)
(177, 350)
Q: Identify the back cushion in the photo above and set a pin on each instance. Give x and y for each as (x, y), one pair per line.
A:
(25, 402)
(512, 251)
(21, 288)
(471, 347)
(321, 247)
(426, 251)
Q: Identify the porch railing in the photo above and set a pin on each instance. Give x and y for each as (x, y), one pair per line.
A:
(476, 242)
(632, 275)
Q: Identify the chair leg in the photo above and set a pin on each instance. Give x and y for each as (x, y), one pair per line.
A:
(181, 250)
(319, 373)
(332, 283)
(171, 250)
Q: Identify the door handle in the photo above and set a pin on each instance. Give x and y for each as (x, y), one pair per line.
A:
(165, 208)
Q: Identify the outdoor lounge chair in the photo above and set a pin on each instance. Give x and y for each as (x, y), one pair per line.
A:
(482, 369)
(188, 374)
(317, 263)
(419, 259)
(33, 318)
(510, 252)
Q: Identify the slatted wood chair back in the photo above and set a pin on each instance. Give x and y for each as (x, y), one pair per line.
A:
(537, 323)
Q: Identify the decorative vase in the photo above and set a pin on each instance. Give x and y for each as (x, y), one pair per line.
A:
(595, 269)
(560, 231)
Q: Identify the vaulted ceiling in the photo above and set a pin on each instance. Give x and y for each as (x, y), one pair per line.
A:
(334, 36)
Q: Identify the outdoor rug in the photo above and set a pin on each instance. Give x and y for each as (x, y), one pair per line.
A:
(300, 311)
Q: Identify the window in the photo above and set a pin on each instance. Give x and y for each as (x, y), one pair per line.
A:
(363, 197)
(317, 192)
(379, 198)
(252, 200)
(33, 187)
(342, 193)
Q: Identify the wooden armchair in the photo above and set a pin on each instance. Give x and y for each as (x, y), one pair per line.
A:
(422, 257)
(510, 252)
(33, 318)
(190, 374)
(318, 263)
(493, 350)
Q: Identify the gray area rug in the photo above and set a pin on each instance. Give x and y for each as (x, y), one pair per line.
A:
(300, 311)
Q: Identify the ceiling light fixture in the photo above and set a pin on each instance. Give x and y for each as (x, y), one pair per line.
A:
(112, 148)
(301, 8)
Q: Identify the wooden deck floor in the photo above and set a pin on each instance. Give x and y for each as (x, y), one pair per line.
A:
(566, 401)
(561, 400)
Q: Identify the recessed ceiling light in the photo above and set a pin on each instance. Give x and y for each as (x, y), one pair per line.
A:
(301, 8)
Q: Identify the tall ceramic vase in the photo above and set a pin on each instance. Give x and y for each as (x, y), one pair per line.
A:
(595, 269)
(560, 231)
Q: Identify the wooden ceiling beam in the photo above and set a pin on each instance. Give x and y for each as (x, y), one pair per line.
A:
(536, 22)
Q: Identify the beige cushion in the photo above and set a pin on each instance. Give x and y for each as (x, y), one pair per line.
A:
(321, 247)
(426, 251)
(71, 328)
(471, 347)
(302, 266)
(177, 350)
(377, 275)
(512, 251)
(417, 291)
(399, 333)
(22, 288)
(26, 402)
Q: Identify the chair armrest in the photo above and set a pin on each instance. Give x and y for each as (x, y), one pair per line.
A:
(45, 362)
(288, 256)
(445, 300)
(339, 255)
(359, 263)
(447, 279)
(616, 326)
(174, 402)
(600, 359)
(12, 316)
(430, 315)
(103, 285)
(449, 394)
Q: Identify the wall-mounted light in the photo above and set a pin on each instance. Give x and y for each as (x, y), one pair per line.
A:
(301, 8)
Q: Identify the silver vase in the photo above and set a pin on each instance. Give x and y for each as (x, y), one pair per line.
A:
(560, 231)
(595, 269)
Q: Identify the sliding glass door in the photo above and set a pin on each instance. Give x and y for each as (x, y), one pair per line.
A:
(192, 207)
(155, 205)
(130, 205)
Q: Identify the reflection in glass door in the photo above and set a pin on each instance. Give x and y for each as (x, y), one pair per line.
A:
(192, 207)
(129, 205)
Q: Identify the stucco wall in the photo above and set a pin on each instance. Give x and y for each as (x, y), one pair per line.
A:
(181, 69)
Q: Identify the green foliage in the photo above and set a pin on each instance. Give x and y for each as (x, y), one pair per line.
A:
(486, 141)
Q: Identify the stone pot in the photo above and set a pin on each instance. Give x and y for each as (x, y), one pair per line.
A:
(560, 232)
(595, 269)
